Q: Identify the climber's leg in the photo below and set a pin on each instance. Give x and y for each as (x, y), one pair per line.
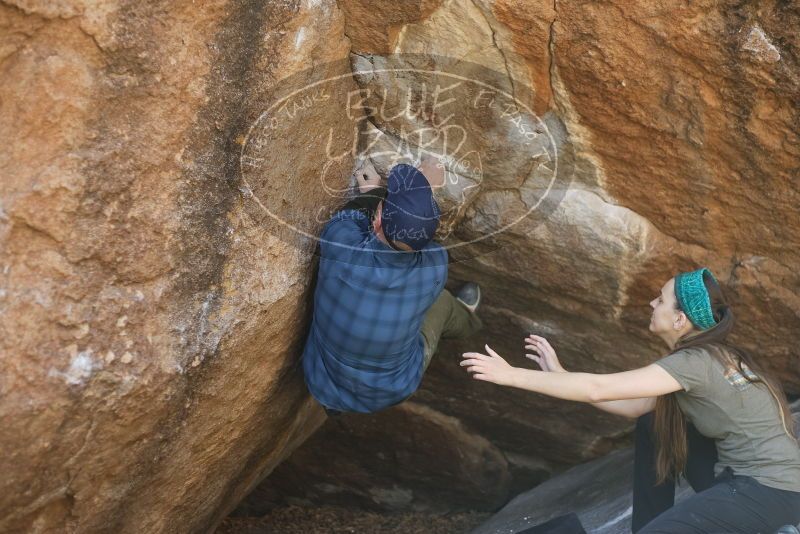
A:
(446, 318)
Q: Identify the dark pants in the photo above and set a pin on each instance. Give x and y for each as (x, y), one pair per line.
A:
(728, 503)
(446, 318)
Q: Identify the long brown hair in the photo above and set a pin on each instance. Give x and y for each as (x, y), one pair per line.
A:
(670, 422)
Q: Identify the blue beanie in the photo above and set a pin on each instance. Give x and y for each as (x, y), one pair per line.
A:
(693, 299)
(410, 213)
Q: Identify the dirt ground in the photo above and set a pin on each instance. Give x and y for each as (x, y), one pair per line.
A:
(336, 520)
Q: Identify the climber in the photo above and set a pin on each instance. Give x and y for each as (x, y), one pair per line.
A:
(712, 402)
(380, 306)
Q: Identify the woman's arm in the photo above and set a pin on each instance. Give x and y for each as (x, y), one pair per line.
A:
(545, 355)
(631, 408)
(650, 381)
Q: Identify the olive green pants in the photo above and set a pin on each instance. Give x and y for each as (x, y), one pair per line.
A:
(446, 318)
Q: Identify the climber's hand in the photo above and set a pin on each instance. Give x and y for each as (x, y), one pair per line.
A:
(489, 367)
(367, 177)
(433, 168)
(544, 355)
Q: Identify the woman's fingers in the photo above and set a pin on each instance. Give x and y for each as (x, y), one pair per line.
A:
(475, 362)
(481, 366)
(480, 369)
(537, 340)
(540, 361)
(548, 359)
(541, 344)
(537, 359)
(538, 350)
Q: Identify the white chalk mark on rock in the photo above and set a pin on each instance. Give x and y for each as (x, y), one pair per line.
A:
(759, 44)
(81, 367)
(300, 38)
(615, 520)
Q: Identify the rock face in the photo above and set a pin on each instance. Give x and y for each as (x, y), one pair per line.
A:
(150, 316)
(668, 146)
(409, 459)
(163, 181)
(599, 492)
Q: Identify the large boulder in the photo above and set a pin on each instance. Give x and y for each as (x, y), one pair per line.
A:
(665, 146)
(167, 166)
(150, 312)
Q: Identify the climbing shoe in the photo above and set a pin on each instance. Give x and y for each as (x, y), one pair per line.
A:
(469, 295)
(787, 529)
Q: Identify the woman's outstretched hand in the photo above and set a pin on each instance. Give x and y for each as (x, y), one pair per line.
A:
(489, 367)
(544, 355)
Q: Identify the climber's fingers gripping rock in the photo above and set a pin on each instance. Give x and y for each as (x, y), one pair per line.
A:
(367, 177)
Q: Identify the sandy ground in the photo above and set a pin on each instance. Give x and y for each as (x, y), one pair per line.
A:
(330, 520)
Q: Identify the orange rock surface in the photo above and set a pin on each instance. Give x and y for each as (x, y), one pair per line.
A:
(154, 298)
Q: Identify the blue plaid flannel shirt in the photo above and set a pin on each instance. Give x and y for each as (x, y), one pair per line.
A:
(364, 351)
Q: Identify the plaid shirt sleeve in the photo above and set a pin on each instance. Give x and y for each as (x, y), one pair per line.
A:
(346, 227)
(352, 223)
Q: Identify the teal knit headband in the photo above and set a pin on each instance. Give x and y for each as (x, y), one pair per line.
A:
(693, 298)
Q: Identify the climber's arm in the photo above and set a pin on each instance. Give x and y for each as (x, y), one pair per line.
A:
(351, 223)
(348, 225)
(371, 192)
(367, 201)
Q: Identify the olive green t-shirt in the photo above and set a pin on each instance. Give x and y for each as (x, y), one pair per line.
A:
(743, 418)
